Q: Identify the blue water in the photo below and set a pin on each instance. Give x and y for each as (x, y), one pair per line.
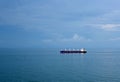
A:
(48, 65)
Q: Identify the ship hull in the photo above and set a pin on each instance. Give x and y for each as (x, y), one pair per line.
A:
(73, 51)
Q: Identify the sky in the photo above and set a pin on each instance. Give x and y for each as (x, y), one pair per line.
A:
(59, 23)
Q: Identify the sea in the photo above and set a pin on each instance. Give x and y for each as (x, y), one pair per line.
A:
(49, 65)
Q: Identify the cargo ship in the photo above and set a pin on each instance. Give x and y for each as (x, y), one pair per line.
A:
(83, 50)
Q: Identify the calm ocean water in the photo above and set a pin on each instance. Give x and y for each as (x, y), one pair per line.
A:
(48, 65)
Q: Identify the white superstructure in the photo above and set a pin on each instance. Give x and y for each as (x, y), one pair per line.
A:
(82, 49)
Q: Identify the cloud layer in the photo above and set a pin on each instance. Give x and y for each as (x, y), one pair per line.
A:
(60, 21)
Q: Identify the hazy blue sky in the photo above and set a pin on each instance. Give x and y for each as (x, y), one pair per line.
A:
(59, 23)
